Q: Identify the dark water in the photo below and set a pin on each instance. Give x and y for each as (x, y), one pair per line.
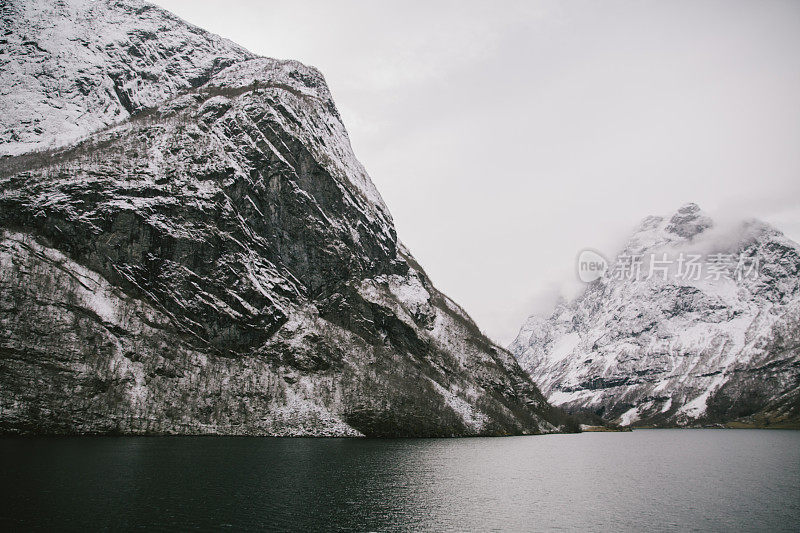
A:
(646, 480)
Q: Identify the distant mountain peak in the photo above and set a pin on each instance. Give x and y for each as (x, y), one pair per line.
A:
(689, 221)
(713, 344)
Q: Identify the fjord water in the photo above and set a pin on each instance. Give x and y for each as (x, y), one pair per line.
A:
(716, 480)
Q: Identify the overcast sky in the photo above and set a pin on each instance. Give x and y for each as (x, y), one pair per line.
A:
(507, 136)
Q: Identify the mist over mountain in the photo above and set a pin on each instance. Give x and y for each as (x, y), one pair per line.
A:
(694, 322)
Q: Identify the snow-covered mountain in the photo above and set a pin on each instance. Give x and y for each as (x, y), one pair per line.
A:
(72, 67)
(694, 322)
(211, 257)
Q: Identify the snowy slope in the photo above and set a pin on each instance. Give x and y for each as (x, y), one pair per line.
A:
(680, 346)
(72, 67)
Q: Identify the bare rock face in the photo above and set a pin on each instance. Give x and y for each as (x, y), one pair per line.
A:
(216, 260)
(679, 348)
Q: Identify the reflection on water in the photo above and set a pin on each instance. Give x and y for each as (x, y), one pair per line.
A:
(654, 480)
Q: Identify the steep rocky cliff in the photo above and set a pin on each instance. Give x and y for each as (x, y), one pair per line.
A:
(211, 257)
(712, 336)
